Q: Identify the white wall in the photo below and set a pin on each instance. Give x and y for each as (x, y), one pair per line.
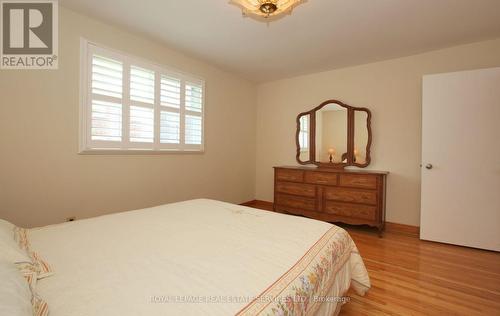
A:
(42, 178)
(391, 90)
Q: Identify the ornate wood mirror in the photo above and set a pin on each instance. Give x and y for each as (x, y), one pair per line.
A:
(334, 135)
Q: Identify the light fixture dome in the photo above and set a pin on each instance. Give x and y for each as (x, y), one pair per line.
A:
(266, 9)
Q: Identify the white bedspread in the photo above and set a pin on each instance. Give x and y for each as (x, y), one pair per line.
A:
(199, 257)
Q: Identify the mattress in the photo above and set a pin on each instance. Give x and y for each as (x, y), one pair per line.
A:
(199, 257)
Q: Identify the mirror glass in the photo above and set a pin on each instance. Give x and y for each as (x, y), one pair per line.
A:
(304, 133)
(360, 136)
(331, 134)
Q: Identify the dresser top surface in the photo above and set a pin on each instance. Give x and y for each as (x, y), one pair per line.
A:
(333, 170)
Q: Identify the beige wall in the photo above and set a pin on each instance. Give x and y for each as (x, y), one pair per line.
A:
(43, 180)
(391, 89)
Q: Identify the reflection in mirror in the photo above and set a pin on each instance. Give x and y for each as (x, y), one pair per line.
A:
(360, 136)
(304, 138)
(331, 134)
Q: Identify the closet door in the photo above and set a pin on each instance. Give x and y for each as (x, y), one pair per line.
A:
(461, 158)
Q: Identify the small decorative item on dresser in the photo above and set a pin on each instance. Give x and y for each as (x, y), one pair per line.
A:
(331, 152)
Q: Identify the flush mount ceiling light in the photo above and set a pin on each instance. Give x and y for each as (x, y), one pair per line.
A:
(266, 9)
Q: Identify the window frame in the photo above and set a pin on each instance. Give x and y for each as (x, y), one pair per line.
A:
(125, 146)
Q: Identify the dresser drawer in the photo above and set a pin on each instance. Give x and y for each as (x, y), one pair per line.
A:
(290, 175)
(358, 181)
(325, 178)
(307, 190)
(351, 210)
(296, 202)
(350, 195)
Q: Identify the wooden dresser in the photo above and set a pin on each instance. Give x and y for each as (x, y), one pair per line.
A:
(332, 195)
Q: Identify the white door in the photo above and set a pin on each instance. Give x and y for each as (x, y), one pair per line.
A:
(461, 158)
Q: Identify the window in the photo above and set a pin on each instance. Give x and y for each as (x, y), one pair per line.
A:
(132, 105)
(304, 133)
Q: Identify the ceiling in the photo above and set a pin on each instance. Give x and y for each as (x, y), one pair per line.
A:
(319, 35)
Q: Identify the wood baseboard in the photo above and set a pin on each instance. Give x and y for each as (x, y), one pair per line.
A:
(249, 203)
(397, 228)
(402, 229)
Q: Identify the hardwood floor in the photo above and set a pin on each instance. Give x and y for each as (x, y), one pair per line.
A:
(414, 277)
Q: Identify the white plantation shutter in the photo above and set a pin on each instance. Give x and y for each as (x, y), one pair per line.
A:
(194, 107)
(193, 130)
(141, 124)
(142, 99)
(170, 119)
(106, 99)
(107, 76)
(142, 85)
(130, 104)
(170, 124)
(170, 92)
(194, 97)
(106, 121)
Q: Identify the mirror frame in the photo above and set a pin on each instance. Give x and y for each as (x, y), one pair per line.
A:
(350, 136)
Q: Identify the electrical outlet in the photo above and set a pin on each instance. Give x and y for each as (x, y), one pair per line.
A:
(71, 219)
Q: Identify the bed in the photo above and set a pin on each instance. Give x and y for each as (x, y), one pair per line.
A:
(199, 257)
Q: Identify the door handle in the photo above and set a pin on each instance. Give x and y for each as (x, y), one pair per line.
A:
(429, 166)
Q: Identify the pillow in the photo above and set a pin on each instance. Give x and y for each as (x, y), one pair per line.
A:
(9, 249)
(15, 293)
